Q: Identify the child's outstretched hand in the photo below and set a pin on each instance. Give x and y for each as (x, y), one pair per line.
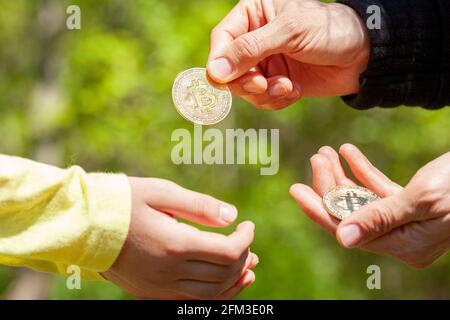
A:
(166, 259)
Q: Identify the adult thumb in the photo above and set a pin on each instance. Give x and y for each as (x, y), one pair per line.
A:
(245, 52)
(374, 220)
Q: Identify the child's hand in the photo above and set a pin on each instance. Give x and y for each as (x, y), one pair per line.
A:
(166, 259)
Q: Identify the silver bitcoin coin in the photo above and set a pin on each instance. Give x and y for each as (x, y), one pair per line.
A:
(342, 201)
(198, 99)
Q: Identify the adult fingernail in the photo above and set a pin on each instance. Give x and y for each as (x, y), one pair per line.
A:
(326, 149)
(228, 213)
(350, 235)
(220, 69)
(278, 90)
(251, 87)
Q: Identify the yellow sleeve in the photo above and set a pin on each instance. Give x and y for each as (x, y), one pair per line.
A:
(52, 218)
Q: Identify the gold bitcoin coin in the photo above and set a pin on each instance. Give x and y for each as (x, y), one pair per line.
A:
(198, 99)
(342, 201)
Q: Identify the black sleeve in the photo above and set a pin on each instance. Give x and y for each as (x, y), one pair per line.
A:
(410, 55)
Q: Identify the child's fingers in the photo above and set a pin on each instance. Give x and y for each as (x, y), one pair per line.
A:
(244, 282)
(171, 198)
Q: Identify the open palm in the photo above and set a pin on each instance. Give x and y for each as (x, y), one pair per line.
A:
(411, 223)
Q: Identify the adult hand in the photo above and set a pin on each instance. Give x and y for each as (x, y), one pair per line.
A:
(411, 224)
(166, 259)
(273, 52)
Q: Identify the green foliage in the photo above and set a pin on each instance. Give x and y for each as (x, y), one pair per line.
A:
(115, 113)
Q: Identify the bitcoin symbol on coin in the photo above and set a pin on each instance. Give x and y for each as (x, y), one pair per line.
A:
(351, 201)
(342, 201)
(204, 99)
(199, 100)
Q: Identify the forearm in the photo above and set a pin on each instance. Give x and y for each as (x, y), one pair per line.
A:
(410, 54)
(51, 218)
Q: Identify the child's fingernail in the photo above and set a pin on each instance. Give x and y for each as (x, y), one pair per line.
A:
(251, 87)
(228, 213)
(255, 260)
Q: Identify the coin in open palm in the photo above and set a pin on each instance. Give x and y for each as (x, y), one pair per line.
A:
(198, 99)
(342, 201)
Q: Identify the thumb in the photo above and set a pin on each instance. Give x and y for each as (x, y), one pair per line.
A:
(175, 200)
(374, 220)
(245, 52)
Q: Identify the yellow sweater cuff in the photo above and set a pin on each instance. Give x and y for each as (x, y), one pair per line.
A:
(52, 218)
(111, 204)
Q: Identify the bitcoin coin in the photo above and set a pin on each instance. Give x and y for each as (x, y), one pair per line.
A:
(198, 99)
(342, 201)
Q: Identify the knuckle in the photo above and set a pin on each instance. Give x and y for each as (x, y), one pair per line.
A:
(290, 26)
(176, 249)
(204, 205)
(248, 46)
(232, 255)
(428, 194)
(215, 33)
(381, 221)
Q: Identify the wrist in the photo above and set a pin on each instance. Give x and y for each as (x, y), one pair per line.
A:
(352, 41)
(361, 38)
(364, 40)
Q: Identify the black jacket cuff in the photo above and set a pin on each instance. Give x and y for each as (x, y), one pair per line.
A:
(410, 56)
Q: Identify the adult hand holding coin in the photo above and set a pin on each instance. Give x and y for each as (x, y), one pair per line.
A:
(273, 52)
(342, 201)
(411, 223)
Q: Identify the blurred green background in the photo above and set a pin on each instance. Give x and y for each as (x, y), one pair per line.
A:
(100, 97)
